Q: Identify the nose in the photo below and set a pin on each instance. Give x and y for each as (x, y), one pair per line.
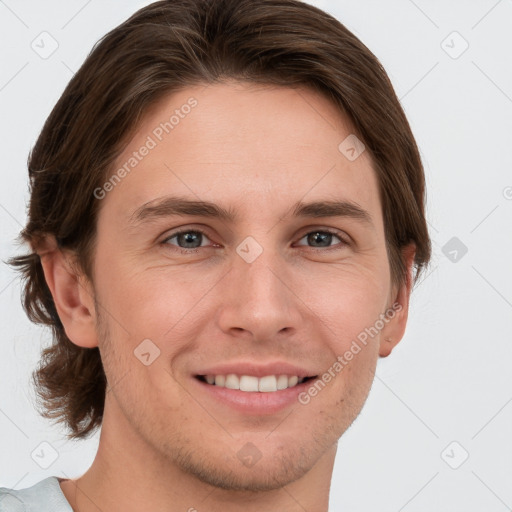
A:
(258, 299)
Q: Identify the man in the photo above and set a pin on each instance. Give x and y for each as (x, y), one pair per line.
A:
(226, 217)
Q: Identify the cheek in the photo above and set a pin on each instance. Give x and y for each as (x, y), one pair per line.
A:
(347, 310)
(158, 305)
(347, 299)
(141, 299)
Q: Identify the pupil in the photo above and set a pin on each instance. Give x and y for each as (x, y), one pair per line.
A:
(191, 237)
(325, 237)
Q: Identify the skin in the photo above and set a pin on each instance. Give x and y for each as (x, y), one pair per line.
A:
(256, 150)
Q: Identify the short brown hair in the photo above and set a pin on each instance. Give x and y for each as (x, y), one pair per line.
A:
(162, 48)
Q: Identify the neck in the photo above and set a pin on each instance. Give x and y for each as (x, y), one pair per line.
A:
(128, 475)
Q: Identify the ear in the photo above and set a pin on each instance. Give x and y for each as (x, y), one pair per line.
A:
(394, 329)
(72, 294)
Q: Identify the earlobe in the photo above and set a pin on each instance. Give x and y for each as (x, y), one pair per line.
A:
(387, 346)
(398, 310)
(71, 293)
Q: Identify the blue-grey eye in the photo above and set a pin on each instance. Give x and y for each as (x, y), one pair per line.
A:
(323, 238)
(187, 239)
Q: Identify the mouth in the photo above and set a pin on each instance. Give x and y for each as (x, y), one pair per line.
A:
(253, 388)
(252, 395)
(254, 384)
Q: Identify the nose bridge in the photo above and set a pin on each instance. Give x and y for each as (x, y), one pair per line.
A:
(260, 275)
(257, 297)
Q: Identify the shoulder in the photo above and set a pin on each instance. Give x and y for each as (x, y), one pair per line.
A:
(45, 496)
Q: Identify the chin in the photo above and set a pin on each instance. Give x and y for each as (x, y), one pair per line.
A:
(266, 471)
(266, 477)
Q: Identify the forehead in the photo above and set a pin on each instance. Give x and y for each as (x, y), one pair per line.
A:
(243, 146)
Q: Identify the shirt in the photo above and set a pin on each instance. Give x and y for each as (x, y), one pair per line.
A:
(45, 496)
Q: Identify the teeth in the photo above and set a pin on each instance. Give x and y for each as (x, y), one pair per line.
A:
(282, 382)
(267, 384)
(232, 381)
(250, 383)
(292, 381)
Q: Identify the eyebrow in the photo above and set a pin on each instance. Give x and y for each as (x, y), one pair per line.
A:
(169, 206)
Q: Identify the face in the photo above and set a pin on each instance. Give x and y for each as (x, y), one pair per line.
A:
(267, 287)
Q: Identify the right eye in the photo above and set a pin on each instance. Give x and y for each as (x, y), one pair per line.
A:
(188, 237)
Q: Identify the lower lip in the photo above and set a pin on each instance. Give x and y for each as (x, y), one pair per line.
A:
(255, 403)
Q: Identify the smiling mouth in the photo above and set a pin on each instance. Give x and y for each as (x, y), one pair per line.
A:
(253, 384)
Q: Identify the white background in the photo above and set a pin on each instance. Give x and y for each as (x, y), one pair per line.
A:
(450, 378)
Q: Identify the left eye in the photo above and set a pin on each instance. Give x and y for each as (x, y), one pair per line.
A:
(191, 239)
(323, 237)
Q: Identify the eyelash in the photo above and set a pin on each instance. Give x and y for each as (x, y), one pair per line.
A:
(194, 250)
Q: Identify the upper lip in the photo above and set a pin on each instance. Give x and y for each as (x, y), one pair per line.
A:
(257, 369)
